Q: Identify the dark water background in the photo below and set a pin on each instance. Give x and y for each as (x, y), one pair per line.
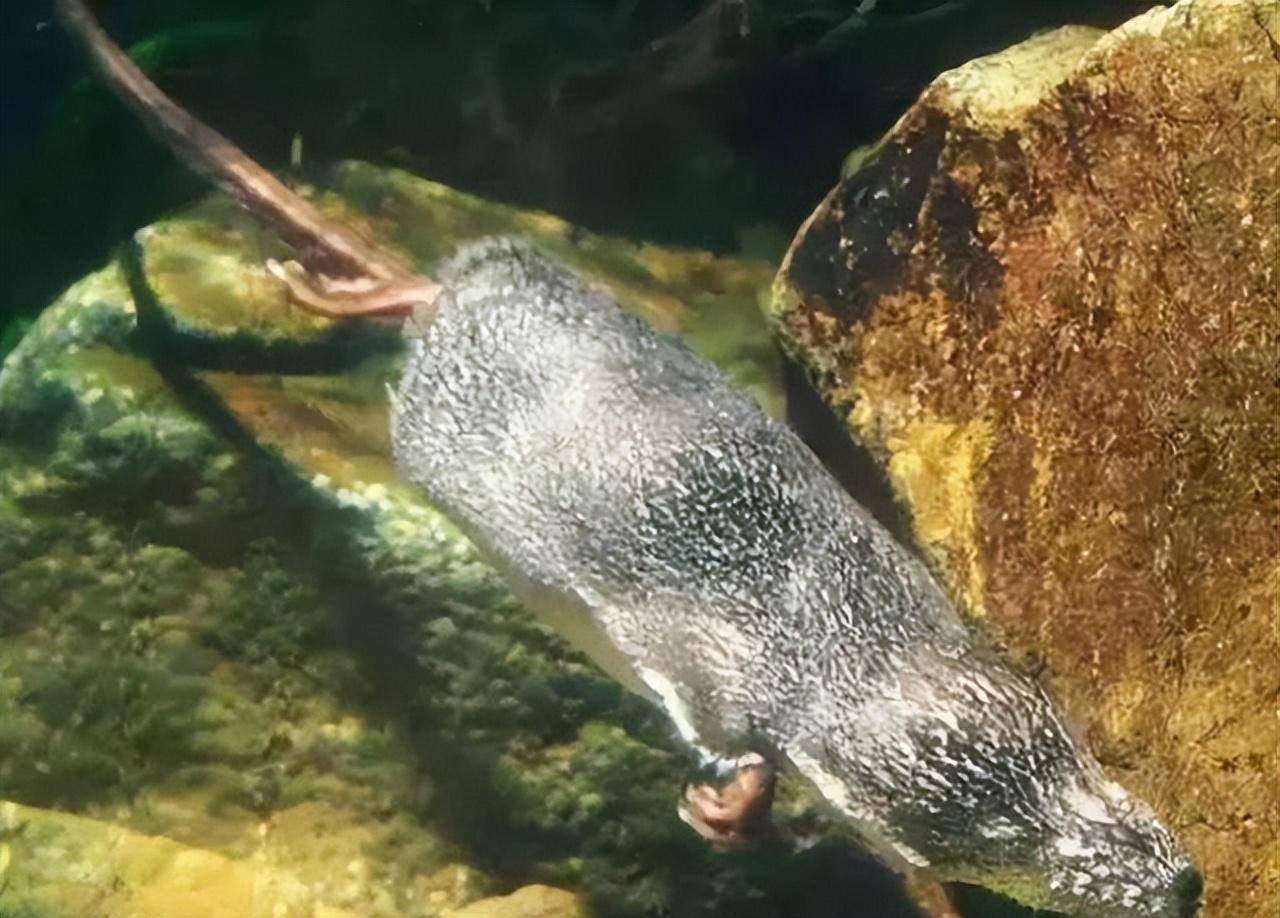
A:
(542, 103)
(546, 103)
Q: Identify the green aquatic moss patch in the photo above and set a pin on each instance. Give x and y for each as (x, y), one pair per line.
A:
(733, 334)
(91, 708)
(207, 269)
(34, 398)
(149, 677)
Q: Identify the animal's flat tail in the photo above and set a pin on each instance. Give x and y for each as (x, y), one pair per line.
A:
(339, 249)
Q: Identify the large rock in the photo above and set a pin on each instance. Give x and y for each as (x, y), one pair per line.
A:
(1047, 303)
(69, 865)
(266, 676)
(527, 902)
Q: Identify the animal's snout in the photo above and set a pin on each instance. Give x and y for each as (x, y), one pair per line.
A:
(1187, 889)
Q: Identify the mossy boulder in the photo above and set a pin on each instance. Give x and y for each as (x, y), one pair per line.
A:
(1046, 302)
(61, 864)
(528, 902)
(232, 641)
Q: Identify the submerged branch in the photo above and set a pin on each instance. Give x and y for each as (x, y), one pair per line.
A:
(700, 51)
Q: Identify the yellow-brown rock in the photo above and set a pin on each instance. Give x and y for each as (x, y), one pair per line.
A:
(1047, 303)
(535, 901)
(60, 864)
(70, 865)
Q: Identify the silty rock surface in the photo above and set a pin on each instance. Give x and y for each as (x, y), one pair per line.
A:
(1046, 302)
(72, 865)
(241, 664)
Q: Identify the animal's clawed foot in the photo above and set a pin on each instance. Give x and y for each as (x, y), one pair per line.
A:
(338, 298)
(737, 814)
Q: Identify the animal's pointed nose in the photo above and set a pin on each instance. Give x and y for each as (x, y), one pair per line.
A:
(1187, 888)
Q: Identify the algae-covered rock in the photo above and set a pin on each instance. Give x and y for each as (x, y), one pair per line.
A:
(234, 644)
(528, 902)
(1046, 301)
(55, 863)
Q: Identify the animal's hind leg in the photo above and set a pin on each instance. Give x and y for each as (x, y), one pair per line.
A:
(736, 814)
(338, 298)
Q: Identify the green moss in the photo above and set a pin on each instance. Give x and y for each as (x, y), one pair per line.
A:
(18, 906)
(206, 268)
(125, 377)
(733, 334)
(92, 708)
(271, 619)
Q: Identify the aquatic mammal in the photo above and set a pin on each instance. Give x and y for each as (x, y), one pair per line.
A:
(699, 552)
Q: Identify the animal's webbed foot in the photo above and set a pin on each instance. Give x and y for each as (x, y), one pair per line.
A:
(736, 814)
(338, 298)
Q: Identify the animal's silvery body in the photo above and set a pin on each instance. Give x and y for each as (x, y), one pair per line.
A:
(698, 549)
